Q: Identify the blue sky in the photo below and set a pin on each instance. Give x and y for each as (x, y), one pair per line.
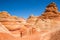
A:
(24, 8)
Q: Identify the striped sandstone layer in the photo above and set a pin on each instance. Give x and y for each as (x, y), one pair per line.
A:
(44, 27)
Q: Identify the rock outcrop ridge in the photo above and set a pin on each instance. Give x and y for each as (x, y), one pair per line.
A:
(44, 27)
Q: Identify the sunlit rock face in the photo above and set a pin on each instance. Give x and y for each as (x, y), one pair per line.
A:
(51, 7)
(44, 27)
(10, 22)
(51, 12)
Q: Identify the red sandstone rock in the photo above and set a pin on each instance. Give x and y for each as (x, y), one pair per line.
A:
(44, 27)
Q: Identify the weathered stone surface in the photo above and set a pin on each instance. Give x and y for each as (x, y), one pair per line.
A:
(51, 12)
(44, 27)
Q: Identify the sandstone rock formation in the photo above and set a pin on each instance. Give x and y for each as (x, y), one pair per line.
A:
(51, 11)
(44, 27)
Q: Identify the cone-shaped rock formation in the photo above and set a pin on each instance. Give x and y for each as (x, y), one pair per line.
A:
(51, 12)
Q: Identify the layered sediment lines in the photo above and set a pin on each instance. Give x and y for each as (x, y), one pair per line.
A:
(44, 27)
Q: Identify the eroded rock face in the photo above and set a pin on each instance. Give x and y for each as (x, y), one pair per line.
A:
(51, 12)
(51, 7)
(44, 27)
(10, 22)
